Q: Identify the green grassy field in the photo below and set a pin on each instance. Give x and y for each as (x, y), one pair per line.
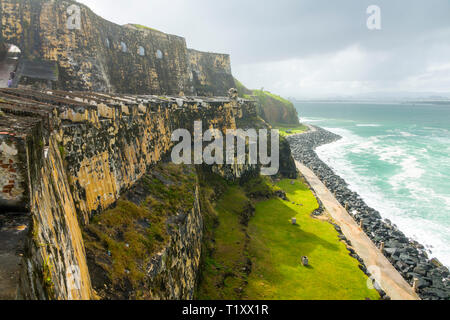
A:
(275, 247)
(290, 130)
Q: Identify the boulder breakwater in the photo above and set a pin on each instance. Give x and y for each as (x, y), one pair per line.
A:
(408, 256)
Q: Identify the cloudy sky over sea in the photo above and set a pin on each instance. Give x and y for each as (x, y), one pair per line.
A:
(309, 48)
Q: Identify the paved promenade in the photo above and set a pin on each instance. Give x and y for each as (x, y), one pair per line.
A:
(386, 275)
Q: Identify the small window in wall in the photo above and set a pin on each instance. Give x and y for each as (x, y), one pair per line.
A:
(141, 51)
(159, 54)
(108, 43)
(124, 47)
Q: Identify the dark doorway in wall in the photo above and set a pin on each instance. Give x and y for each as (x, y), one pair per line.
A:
(9, 59)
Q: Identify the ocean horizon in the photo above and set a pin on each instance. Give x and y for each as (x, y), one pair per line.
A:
(396, 156)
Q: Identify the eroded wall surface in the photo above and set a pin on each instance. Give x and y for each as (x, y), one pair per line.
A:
(211, 72)
(77, 153)
(95, 54)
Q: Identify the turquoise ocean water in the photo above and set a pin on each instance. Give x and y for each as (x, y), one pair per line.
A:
(397, 157)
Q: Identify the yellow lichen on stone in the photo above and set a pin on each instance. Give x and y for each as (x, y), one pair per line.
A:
(99, 184)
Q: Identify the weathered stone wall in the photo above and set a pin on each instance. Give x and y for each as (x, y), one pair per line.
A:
(54, 264)
(109, 148)
(78, 152)
(12, 181)
(173, 272)
(48, 263)
(103, 56)
(211, 72)
(166, 268)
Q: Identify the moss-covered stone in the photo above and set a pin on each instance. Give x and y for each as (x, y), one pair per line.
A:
(143, 244)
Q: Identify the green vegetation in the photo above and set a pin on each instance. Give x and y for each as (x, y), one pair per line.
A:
(286, 130)
(49, 286)
(119, 232)
(277, 247)
(62, 151)
(122, 240)
(140, 26)
(264, 94)
(271, 107)
(263, 260)
(243, 92)
(225, 271)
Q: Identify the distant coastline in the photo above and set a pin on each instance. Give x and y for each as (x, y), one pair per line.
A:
(368, 101)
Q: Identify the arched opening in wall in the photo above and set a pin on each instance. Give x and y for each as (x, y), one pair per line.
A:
(159, 54)
(141, 51)
(124, 47)
(9, 60)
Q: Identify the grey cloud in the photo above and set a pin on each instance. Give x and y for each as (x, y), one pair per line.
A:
(415, 33)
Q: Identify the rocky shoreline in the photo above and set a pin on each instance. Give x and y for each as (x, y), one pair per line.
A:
(408, 256)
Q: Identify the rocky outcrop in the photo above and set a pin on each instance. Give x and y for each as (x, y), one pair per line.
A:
(276, 110)
(288, 169)
(272, 108)
(67, 156)
(95, 54)
(406, 255)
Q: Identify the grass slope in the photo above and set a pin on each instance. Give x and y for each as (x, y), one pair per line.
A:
(262, 261)
(276, 109)
(271, 107)
(290, 130)
(277, 246)
(224, 272)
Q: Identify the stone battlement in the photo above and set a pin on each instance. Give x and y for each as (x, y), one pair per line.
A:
(67, 155)
(87, 124)
(66, 41)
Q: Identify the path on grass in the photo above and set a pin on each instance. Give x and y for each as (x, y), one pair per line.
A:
(387, 276)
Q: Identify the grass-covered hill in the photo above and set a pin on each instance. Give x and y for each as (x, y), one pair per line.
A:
(253, 252)
(272, 108)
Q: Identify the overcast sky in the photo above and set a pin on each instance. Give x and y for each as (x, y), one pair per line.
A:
(309, 48)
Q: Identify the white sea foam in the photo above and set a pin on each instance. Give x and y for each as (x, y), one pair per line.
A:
(411, 169)
(310, 120)
(407, 134)
(368, 125)
(409, 213)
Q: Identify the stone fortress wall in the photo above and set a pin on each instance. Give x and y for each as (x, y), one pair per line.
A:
(68, 155)
(94, 54)
(109, 99)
